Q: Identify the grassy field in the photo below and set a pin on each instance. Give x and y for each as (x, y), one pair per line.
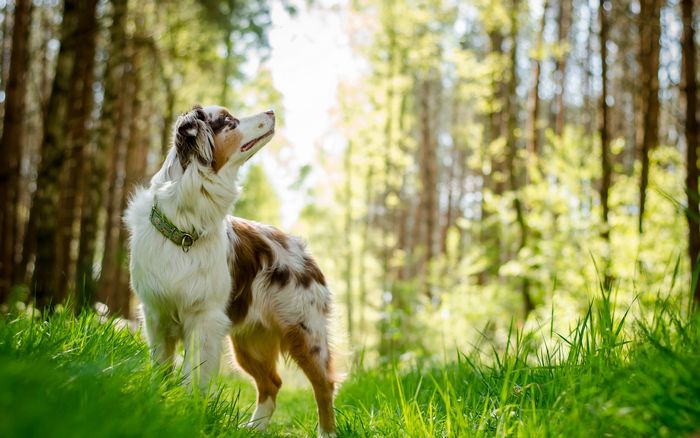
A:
(610, 376)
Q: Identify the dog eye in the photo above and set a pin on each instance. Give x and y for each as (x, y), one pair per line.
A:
(232, 121)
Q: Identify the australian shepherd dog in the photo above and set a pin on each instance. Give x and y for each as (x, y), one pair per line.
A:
(203, 276)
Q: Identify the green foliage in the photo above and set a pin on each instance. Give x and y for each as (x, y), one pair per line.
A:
(258, 200)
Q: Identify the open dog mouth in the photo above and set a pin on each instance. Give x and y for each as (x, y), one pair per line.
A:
(252, 143)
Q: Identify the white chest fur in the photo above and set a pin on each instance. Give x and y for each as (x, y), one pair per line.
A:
(166, 278)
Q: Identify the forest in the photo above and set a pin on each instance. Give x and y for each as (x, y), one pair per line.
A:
(503, 195)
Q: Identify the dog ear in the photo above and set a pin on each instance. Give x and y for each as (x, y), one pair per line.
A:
(190, 137)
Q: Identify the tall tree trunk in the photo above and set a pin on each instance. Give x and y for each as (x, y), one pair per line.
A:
(534, 138)
(691, 139)
(136, 160)
(78, 139)
(227, 67)
(4, 71)
(388, 142)
(348, 242)
(108, 289)
(606, 166)
(514, 178)
(365, 248)
(428, 175)
(648, 128)
(11, 143)
(45, 206)
(490, 233)
(563, 22)
(108, 135)
(168, 117)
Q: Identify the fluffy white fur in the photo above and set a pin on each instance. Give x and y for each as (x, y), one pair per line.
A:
(184, 295)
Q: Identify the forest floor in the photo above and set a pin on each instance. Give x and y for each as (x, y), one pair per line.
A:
(611, 376)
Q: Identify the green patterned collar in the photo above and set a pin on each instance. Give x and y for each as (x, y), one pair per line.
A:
(169, 230)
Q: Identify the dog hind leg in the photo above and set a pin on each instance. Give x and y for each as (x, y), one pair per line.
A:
(308, 346)
(257, 355)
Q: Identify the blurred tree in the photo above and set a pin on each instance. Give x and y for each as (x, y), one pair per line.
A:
(78, 138)
(691, 140)
(235, 18)
(604, 129)
(563, 23)
(11, 142)
(78, 33)
(109, 140)
(648, 127)
(538, 59)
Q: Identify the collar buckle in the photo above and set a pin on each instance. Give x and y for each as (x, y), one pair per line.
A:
(186, 242)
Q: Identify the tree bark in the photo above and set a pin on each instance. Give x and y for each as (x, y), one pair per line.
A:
(564, 17)
(428, 174)
(691, 139)
(533, 144)
(136, 160)
(11, 143)
(648, 128)
(604, 129)
(78, 145)
(514, 179)
(348, 241)
(108, 136)
(45, 206)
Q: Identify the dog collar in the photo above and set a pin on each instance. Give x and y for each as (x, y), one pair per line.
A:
(169, 230)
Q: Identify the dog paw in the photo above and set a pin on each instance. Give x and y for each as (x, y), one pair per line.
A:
(259, 425)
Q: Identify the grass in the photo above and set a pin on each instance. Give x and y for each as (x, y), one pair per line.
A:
(610, 376)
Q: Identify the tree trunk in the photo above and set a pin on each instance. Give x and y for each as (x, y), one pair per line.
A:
(533, 144)
(11, 143)
(4, 71)
(428, 175)
(560, 65)
(606, 166)
(168, 117)
(348, 242)
(648, 128)
(691, 139)
(490, 234)
(78, 139)
(365, 248)
(108, 289)
(45, 207)
(227, 67)
(108, 136)
(514, 178)
(136, 160)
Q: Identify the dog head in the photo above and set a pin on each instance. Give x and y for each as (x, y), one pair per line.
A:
(212, 139)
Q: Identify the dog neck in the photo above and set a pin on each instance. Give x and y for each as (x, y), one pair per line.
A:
(193, 202)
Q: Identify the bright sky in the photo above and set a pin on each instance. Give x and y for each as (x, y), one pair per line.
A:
(310, 56)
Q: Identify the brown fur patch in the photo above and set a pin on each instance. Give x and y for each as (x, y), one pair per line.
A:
(257, 355)
(250, 255)
(225, 144)
(310, 273)
(280, 276)
(278, 236)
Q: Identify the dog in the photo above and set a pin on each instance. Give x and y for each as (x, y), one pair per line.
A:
(202, 275)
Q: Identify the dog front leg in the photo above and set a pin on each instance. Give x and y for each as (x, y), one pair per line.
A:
(204, 334)
(160, 341)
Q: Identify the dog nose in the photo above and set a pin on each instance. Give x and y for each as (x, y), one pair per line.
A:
(270, 113)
